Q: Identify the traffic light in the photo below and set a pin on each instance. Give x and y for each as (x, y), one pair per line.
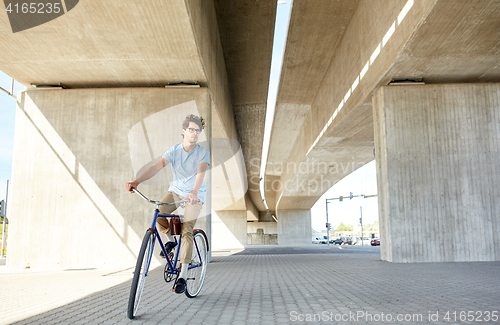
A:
(350, 196)
(2, 209)
(341, 198)
(360, 221)
(328, 226)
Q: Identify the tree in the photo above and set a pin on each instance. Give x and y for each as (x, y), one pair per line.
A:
(372, 226)
(343, 227)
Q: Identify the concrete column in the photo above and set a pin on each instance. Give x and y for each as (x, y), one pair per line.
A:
(437, 152)
(294, 227)
(231, 229)
(73, 152)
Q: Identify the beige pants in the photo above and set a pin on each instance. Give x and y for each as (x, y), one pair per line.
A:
(191, 213)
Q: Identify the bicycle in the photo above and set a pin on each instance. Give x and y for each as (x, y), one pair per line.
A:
(196, 270)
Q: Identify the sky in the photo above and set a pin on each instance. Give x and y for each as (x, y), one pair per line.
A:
(362, 181)
(7, 118)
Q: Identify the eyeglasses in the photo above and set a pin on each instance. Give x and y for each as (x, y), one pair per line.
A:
(192, 130)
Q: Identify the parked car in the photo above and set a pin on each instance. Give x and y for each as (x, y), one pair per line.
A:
(356, 240)
(347, 240)
(319, 240)
(375, 241)
(338, 241)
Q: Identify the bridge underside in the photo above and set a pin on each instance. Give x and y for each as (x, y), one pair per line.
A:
(325, 130)
(334, 107)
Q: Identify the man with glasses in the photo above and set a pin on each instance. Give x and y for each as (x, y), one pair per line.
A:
(189, 162)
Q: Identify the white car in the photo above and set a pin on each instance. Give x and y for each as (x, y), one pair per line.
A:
(319, 240)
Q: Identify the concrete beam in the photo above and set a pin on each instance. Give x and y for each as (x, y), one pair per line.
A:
(92, 46)
(336, 136)
(107, 44)
(315, 31)
(250, 123)
(459, 42)
(247, 31)
(383, 40)
(203, 23)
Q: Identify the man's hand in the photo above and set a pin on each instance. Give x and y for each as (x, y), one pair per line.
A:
(130, 185)
(192, 198)
(150, 172)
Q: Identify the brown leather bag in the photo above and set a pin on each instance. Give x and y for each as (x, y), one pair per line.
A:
(175, 226)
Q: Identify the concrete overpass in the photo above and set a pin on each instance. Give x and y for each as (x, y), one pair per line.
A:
(436, 144)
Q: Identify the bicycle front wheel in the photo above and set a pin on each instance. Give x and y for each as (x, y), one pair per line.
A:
(198, 265)
(141, 270)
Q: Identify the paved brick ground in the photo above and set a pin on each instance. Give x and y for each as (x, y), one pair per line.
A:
(273, 285)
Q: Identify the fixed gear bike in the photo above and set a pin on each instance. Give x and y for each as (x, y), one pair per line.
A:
(196, 270)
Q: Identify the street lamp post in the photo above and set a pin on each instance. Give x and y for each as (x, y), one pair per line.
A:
(4, 219)
(361, 222)
(327, 226)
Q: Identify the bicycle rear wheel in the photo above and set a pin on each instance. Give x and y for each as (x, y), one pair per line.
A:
(198, 265)
(141, 270)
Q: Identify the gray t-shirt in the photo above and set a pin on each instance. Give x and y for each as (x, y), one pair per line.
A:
(185, 167)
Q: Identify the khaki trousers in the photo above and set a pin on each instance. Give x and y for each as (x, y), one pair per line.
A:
(191, 213)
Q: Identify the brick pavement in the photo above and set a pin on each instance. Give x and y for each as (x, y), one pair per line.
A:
(273, 285)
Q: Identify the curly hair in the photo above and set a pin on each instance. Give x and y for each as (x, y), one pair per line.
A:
(195, 119)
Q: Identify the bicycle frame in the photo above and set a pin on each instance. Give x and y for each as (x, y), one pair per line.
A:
(172, 269)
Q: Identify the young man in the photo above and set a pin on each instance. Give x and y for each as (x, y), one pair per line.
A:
(189, 162)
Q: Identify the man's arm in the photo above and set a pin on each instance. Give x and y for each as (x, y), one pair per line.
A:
(200, 175)
(150, 172)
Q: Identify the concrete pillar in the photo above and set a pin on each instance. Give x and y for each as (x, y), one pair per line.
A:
(73, 152)
(294, 227)
(437, 153)
(230, 228)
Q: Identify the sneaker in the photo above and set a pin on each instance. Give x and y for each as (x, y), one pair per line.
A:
(180, 286)
(168, 247)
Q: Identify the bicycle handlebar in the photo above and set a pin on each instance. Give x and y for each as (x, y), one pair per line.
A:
(156, 202)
